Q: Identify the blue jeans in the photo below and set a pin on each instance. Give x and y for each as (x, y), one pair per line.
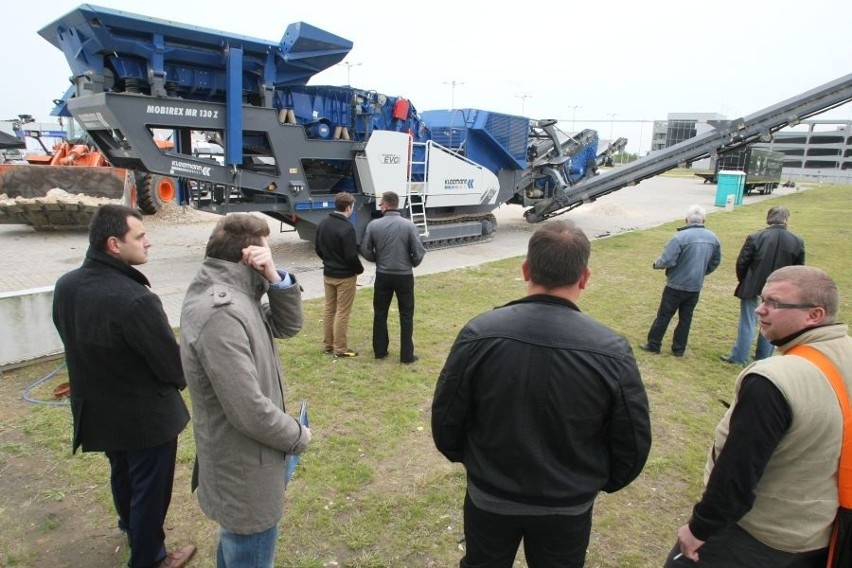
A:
(745, 335)
(681, 302)
(255, 550)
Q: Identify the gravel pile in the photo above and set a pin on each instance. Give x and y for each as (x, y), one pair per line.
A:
(173, 214)
(57, 195)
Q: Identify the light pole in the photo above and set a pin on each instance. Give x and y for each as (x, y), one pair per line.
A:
(349, 67)
(523, 98)
(574, 117)
(611, 116)
(453, 84)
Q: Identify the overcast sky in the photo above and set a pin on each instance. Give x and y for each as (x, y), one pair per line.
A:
(614, 63)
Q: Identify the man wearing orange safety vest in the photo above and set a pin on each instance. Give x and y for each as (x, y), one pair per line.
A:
(772, 493)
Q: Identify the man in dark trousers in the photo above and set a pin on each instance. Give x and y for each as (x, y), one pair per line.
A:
(392, 242)
(545, 407)
(337, 246)
(126, 376)
(690, 255)
(762, 253)
(771, 478)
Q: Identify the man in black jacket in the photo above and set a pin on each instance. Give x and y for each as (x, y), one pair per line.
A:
(762, 253)
(337, 246)
(545, 407)
(125, 373)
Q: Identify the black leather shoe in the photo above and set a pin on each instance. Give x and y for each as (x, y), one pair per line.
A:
(677, 353)
(413, 359)
(649, 349)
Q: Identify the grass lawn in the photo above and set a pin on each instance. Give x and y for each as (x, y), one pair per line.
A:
(372, 491)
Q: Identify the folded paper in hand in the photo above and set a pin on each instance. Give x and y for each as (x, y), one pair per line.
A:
(292, 459)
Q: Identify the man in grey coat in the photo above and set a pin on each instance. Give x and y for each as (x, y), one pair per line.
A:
(392, 242)
(242, 430)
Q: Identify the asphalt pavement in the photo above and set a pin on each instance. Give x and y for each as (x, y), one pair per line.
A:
(35, 259)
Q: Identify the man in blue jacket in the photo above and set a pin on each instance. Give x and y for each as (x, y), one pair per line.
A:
(545, 407)
(690, 255)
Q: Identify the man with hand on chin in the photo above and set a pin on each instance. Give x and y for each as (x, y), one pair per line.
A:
(242, 430)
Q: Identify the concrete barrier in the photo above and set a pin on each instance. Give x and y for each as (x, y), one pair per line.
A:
(26, 327)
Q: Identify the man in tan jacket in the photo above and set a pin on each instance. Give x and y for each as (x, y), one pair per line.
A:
(771, 478)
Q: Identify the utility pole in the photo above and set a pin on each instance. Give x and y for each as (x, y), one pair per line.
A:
(523, 98)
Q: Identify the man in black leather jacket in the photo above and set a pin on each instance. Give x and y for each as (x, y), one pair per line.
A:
(545, 407)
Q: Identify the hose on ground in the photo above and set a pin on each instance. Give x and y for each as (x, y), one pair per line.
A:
(26, 394)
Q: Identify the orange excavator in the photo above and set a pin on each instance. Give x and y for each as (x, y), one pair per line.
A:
(63, 188)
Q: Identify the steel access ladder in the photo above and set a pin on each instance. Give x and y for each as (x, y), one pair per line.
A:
(415, 190)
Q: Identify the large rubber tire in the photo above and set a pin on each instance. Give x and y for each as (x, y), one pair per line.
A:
(154, 191)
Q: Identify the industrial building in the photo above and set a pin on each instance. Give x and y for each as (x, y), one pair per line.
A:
(815, 150)
(818, 150)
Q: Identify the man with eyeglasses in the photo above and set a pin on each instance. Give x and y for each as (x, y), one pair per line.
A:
(771, 492)
(762, 253)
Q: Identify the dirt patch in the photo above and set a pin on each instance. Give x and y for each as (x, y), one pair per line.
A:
(48, 516)
(42, 522)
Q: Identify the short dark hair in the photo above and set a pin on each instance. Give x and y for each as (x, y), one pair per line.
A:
(777, 215)
(233, 233)
(110, 221)
(343, 200)
(815, 287)
(391, 199)
(558, 254)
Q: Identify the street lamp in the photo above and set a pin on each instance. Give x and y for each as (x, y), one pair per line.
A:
(349, 67)
(523, 98)
(611, 116)
(574, 117)
(453, 84)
